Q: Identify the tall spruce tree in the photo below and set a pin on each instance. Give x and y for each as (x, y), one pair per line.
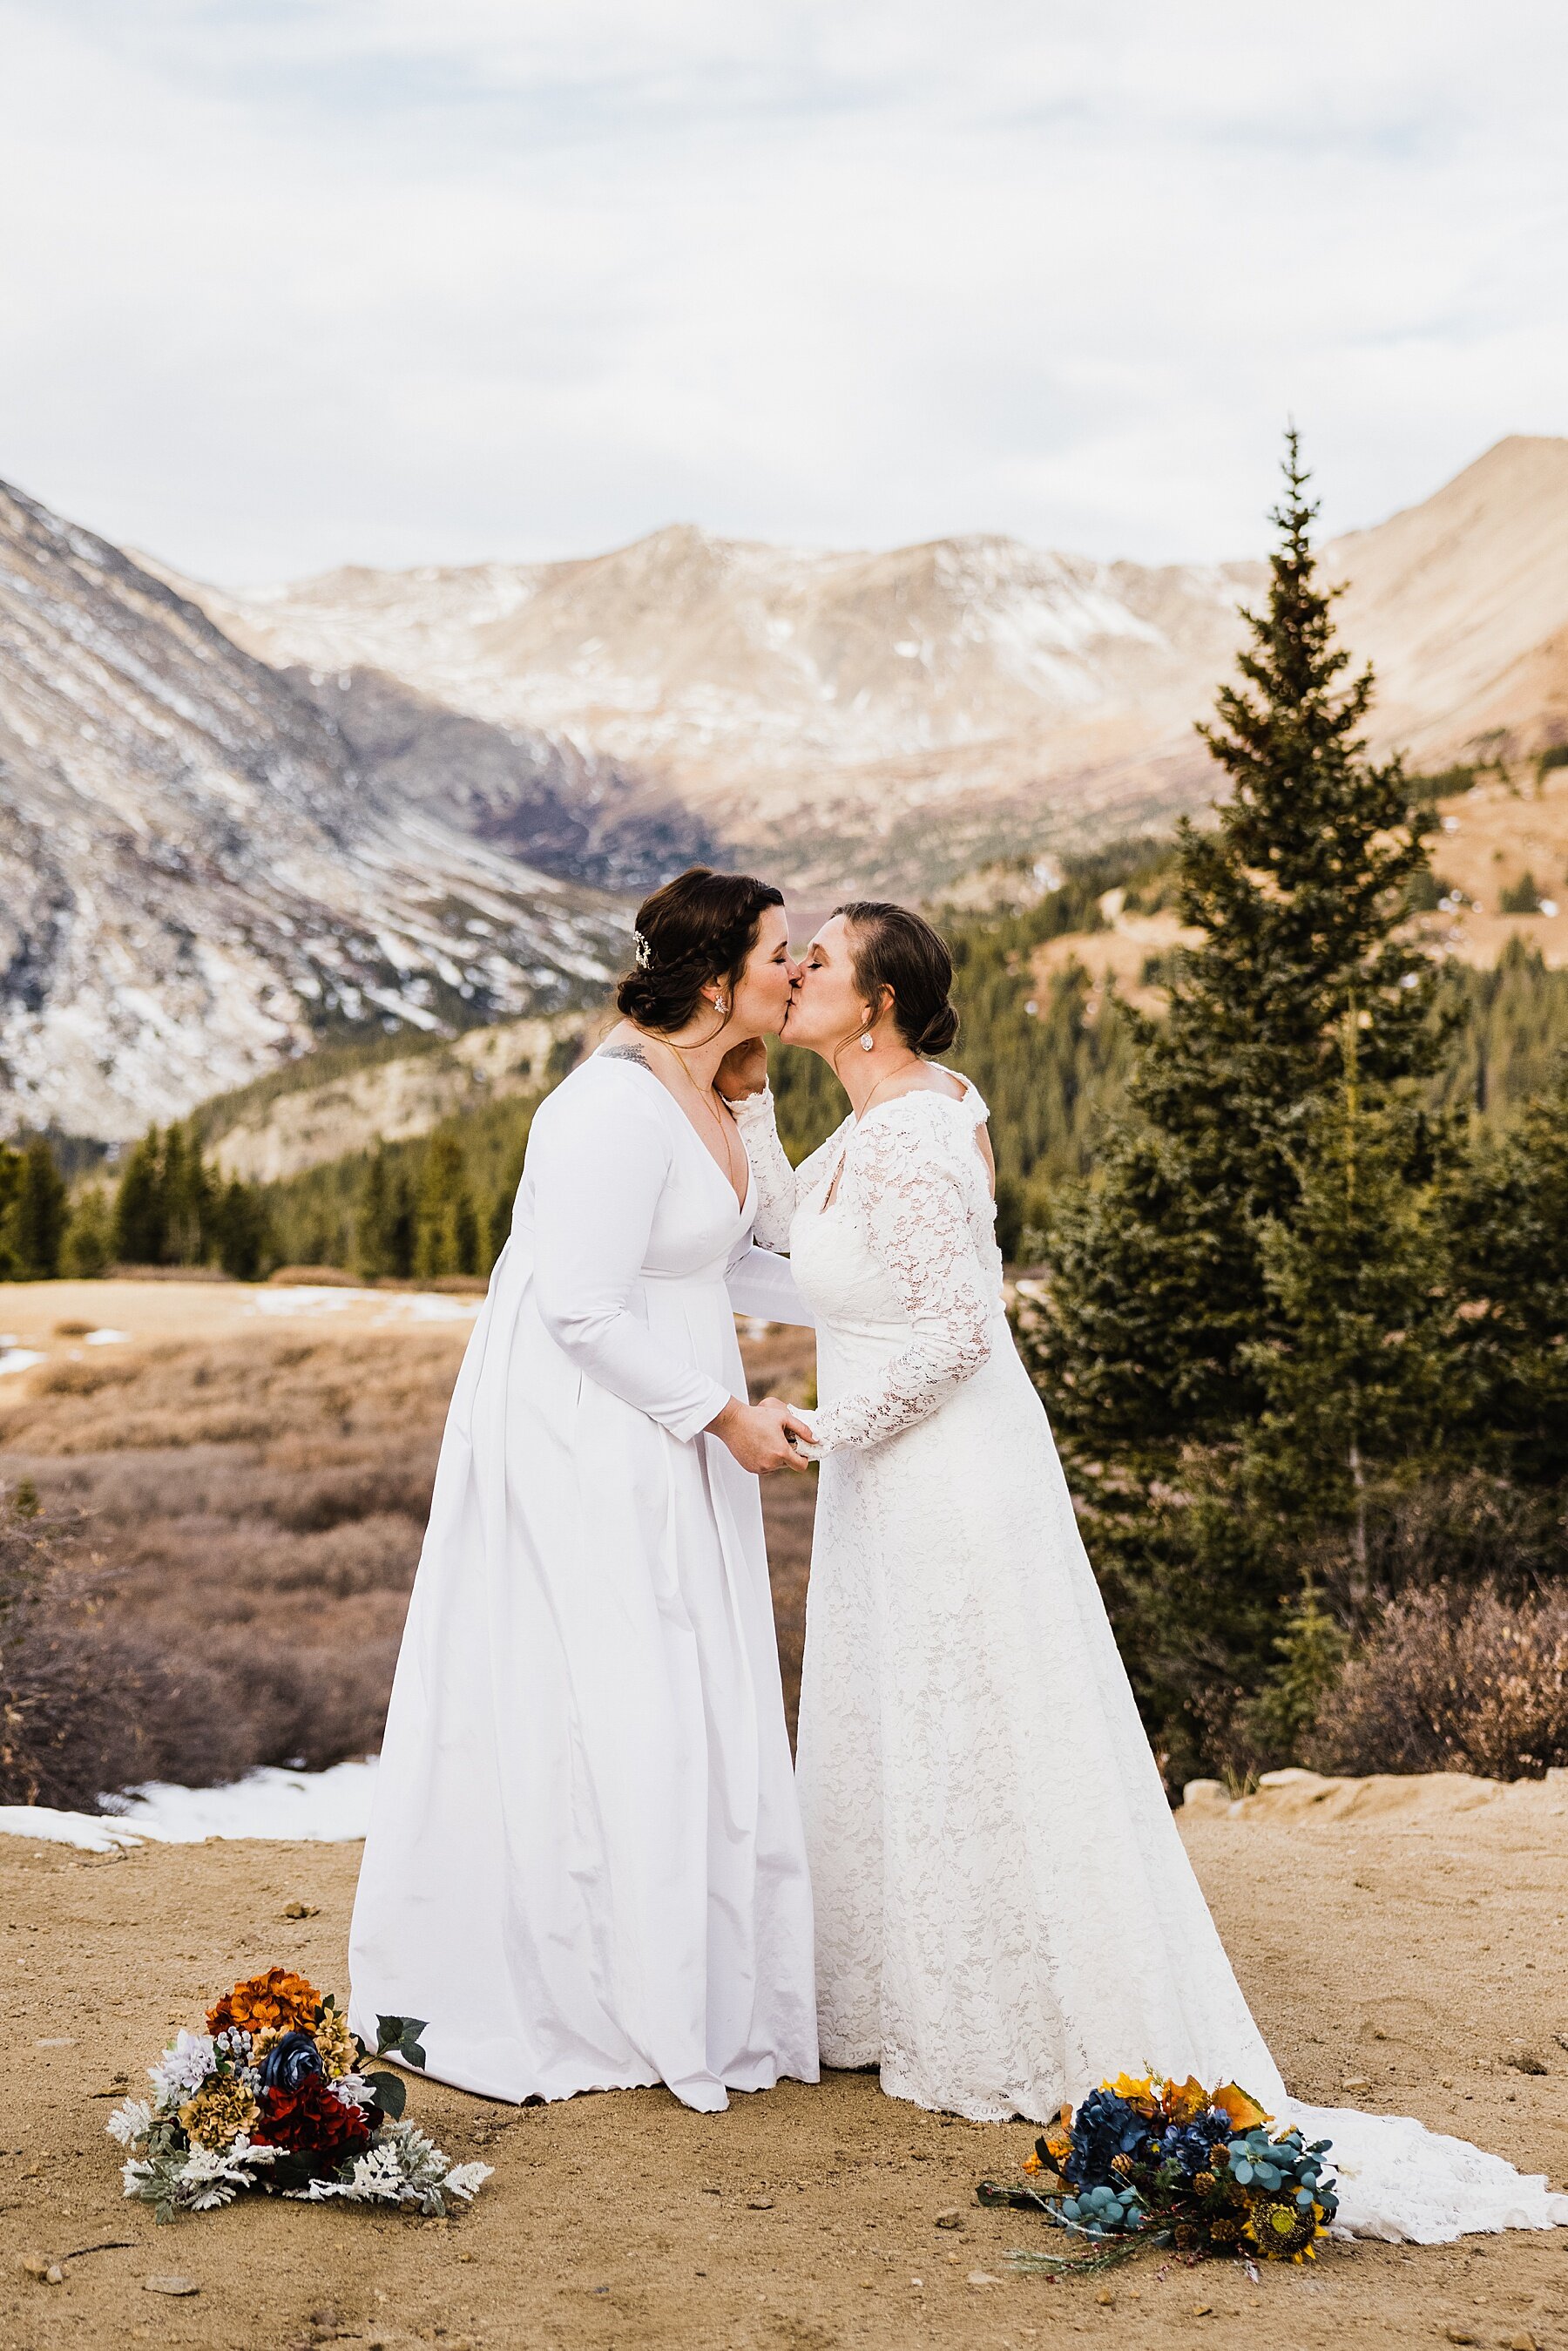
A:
(1509, 1224)
(140, 1224)
(39, 1214)
(1145, 1342)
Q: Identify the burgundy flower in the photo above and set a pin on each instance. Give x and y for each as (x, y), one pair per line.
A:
(309, 2120)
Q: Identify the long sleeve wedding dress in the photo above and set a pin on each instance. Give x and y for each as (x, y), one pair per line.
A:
(584, 1864)
(1005, 1912)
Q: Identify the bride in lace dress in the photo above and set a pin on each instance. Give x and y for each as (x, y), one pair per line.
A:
(1005, 1912)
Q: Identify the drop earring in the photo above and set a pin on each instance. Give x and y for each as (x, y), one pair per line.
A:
(720, 1005)
(868, 1042)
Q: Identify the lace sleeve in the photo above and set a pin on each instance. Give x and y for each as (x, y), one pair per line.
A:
(773, 1174)
(915, 1218)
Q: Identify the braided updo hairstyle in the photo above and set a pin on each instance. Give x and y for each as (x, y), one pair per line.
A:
(891, 947)
(700, 927)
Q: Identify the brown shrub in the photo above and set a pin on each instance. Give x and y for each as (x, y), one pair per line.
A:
(1453, 1680)
(248, 1517)
(87, 1705)
(65, 1376)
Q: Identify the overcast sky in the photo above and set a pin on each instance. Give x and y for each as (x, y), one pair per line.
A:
(288, 283)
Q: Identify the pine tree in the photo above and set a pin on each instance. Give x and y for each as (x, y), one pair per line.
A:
(139, 1216)
(187, 1198)
(447, 1228)
(1149, 1339)
(1355, 1386)
(10, 1183)
(1510, 1238)
(373, 1217)
(88, 1236)
(38, 1214)
(238, 1220)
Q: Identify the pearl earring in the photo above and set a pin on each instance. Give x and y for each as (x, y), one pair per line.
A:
(868, 1042)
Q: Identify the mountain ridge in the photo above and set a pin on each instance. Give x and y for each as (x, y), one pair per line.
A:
(805, 702)
(194, 878)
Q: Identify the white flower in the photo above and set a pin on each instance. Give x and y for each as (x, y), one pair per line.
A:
(183, 2068)
(131, 2122)
(352, 2090)
(465, 2179)
(404, 2166)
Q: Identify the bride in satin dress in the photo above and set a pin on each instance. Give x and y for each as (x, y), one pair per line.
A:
(1005, 1912)
(584, 1867)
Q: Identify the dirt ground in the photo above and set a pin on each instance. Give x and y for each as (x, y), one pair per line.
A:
(1402, 1943)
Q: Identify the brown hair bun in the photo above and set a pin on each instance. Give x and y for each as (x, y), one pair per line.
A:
(700, 927)
(891, 947)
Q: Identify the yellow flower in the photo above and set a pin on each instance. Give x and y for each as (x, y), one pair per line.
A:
(1139, 2090)
(216, 2116)
(334, 2043)
(1032, 2162)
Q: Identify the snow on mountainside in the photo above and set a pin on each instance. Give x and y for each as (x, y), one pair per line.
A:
(893, 717)
(194, 878)
(804, 703)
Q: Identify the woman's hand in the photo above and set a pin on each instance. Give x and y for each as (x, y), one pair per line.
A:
(756, 1435)
(743, 1071)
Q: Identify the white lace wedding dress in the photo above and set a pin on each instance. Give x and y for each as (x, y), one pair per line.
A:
(1005, 1912)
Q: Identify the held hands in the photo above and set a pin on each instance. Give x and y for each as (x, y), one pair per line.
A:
(743, 1071)
(757, 1435)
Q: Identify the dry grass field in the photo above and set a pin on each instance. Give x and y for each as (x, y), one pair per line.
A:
(255, 1468)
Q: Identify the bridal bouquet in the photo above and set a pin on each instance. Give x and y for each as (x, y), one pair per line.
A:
(1149, 2161)
(277, 2093)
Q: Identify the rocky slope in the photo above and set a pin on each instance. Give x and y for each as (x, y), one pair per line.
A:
(897, 717)
(196, 878)
(1462, 605)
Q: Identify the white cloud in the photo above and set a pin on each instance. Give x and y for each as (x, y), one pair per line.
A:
(290, 282)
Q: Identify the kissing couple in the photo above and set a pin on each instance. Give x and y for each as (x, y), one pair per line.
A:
(590, 1865)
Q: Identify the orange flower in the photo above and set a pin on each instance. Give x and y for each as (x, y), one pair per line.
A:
(279, 2001)
(1031, 2163)
(1245, 2113)
(1182, 2100)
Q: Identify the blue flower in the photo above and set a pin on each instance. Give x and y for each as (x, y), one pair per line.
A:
(288, 2061)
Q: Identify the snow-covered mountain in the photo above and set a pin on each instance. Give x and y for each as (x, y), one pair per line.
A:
(195, 878)
(804, 705)
(891, 717)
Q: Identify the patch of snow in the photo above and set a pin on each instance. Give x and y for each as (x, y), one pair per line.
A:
(396, 1305)
(86, 1831)
(320, 1807)
(19, 1359)
(331, 1807)
(106, 1338)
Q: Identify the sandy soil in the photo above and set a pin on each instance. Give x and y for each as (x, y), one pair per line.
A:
(1392, 1940)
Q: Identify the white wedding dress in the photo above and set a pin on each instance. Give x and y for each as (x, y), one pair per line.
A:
(584, 1867)
(1005, 1912)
